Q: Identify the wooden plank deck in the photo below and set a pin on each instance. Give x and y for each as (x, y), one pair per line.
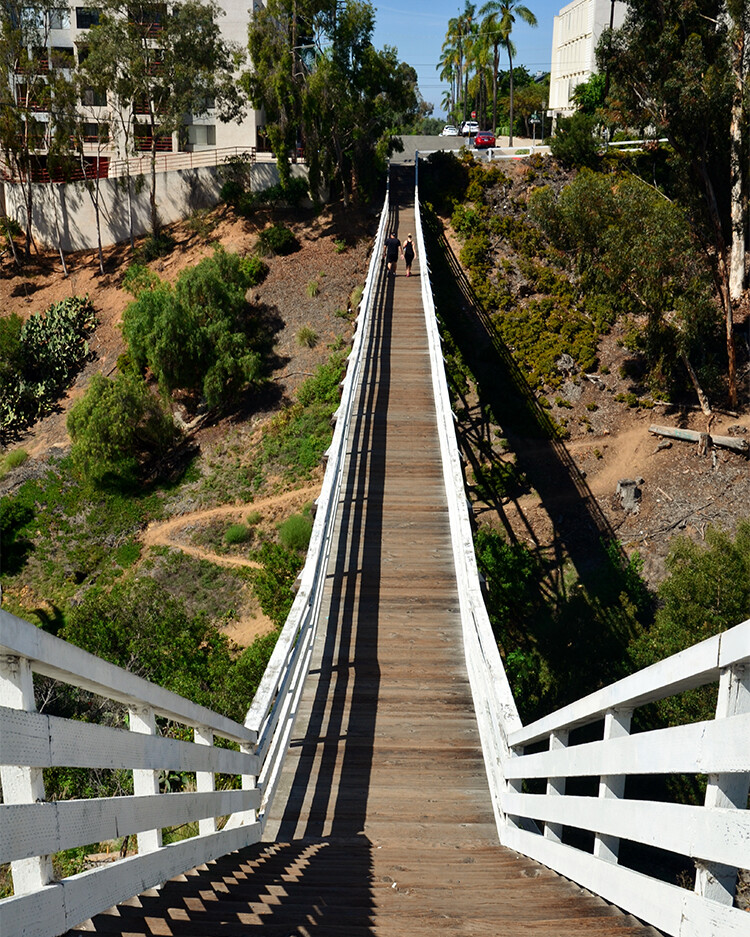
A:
(383, 823)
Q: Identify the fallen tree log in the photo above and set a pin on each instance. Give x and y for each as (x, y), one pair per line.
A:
(691, 435)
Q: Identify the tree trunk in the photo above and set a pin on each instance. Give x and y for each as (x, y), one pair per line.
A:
(702, 399)
(495, 63)
(738, 175)
(510, 96)
(152, 196)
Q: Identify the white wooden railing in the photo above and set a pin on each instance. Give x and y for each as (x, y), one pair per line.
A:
(33, 830)
(274, 708)
(715, 836)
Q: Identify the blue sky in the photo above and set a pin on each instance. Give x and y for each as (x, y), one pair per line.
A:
(418, 30)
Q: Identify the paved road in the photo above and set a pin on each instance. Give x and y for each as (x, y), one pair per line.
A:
(427, 144)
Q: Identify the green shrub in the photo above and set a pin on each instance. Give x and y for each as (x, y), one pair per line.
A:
(43, 356)
(573, 143)
(273, 583)
(199, 335)
(231, 192)
(117, 427)
(128, 553)
(294, 532)
(12, 460)
(153, 247)
(253, 518)
(237, 533)
(340, 245)
(277, 239)
(313, 288)
(138, 278)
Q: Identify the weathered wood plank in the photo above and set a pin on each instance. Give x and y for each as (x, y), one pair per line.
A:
(62, 661)
(42, 741)
(698, 748)
(39, 829)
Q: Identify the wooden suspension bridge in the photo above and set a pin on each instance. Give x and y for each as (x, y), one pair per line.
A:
(383, 821)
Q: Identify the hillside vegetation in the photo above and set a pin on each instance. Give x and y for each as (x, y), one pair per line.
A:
(577, 310)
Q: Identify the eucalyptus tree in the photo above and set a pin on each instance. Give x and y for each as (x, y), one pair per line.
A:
(321, 81)
(167, 62)
(506, 12)
(672, 69)
(738, 12)
(25, 94)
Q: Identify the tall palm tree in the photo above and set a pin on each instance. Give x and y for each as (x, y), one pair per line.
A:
(450, 68)
(506, 12)
(491, 30)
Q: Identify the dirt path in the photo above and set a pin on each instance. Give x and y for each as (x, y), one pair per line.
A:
(251, 623)
(164, 533)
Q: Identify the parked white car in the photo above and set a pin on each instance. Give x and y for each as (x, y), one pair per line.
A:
(449, 131)
(469, 128)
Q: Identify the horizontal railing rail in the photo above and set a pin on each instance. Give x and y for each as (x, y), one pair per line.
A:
(138, 165)
(715, 836)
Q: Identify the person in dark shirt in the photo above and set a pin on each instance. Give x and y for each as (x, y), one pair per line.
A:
(391, 250)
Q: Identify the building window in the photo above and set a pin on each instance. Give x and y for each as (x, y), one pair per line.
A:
(91, 97)
(201, 135)
(95, 132)
(86, 17)
(59, 19)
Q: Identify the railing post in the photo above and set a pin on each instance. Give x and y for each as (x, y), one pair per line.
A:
(713, 880)
(145, 781)
(205, 781)
(556, 786)
(616, 725)
(22, 785)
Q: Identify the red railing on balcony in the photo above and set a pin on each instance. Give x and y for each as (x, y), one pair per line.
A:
(163, 144)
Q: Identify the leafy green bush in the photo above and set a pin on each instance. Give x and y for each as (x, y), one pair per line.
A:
(294, 533)
(238, 533)
(277, 239)
(138, 278)
(706, 592)
(117, 427)
(273, 584)
(199, 335)
(573, 143)
(41, 358)
(12, 460)
(231, 192)
(155, 246)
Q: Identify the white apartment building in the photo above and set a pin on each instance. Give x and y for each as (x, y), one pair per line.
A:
(64, 33)
(575, 34)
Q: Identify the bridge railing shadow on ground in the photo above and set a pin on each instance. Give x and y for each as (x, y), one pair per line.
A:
(528, 788)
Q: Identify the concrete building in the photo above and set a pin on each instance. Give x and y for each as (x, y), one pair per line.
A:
(576, 31)
(62, 35)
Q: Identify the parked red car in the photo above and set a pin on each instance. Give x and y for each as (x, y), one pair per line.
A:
(483, 139)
